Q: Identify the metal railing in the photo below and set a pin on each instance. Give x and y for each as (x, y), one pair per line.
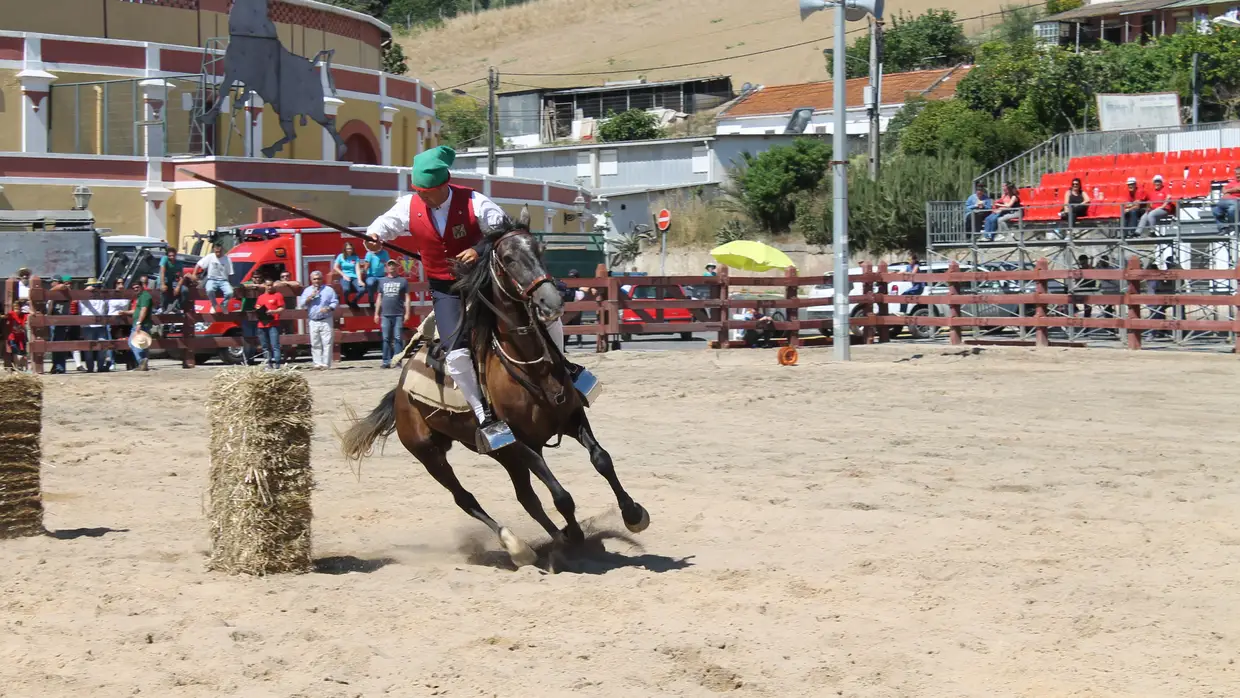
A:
(108, 117)
(1054, 154)
(951, 224)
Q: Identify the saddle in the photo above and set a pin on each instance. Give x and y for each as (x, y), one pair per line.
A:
(426, 380)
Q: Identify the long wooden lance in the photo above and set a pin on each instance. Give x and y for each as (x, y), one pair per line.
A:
(295, 211)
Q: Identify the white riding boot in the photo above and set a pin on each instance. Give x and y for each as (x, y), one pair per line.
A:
(493, 434)
(584, 381)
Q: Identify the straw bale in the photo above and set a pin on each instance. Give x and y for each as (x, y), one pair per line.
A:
(21, 425)
(260, 481)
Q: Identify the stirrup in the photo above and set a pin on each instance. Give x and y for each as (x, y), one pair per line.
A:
(586, 383)
(493, 434)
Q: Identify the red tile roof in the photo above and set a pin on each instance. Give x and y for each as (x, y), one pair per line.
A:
(783, 99)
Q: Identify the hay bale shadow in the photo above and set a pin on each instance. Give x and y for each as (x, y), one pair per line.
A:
(344, 564)
(589, 557)
(74, 533)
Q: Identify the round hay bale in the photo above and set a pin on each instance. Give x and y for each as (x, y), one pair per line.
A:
(259, 499)
(21, 426)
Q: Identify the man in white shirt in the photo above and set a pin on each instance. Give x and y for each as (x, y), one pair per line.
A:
(219, 269)
(97, 308)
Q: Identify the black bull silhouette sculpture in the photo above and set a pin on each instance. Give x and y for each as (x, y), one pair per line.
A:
(286, 81)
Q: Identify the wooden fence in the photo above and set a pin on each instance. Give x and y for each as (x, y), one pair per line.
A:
(713, 314)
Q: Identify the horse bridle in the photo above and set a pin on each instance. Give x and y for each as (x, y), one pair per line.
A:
(497, 271)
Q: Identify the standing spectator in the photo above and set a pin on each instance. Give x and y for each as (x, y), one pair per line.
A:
(1075, 204)
(376, 266)
(95, 308)
(249, 324)
(1084, 286)
(917, 287)
(1006, 209)
(23, 282)
(170, 282)
(60, 333)
(1134, 207)
(1161, 287)
(1225, 210)
(219, 270)
(116, 308)
(710, 270)
(1161, 206)
(320, 301)
(392, 310)
(1108, 287)
(977, 207)
(143, 304)
(346, 268)
(270, 305)
(17, 333)
(287, 285)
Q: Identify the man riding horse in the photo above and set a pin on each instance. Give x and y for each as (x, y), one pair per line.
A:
(446, 222)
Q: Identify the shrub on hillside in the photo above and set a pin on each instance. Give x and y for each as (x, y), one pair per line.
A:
(632, 125)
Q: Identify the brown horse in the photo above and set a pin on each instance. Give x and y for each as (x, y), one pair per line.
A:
(509, 296)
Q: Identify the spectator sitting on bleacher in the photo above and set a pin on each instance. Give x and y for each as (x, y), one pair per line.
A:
(1075, 204)
(1225, 209)
(977, 207)
(1161, 206)
(1006, 209)
(1134, 208)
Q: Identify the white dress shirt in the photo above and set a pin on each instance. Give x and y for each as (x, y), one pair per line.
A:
(395, 222)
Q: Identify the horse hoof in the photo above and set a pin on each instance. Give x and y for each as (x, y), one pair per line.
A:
(520, 551)
(642, 523)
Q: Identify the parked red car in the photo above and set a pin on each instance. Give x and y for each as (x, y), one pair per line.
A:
(641, 292)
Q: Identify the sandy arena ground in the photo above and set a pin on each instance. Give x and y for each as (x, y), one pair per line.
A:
(919, 523)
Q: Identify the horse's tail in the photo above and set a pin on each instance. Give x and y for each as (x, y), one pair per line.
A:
(359, 440)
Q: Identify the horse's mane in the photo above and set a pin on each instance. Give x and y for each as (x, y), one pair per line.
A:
(474, 284)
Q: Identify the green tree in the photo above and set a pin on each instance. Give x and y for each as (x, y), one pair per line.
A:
(1054, 7)
(887, 214)
(632, 125)
(763, 187)
(394, 61)
(926, 41)
(464, 121)
(949, 127)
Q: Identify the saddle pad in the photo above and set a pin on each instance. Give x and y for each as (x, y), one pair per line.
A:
(427, 383)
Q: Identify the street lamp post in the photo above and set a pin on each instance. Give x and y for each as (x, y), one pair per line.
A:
(844, 10)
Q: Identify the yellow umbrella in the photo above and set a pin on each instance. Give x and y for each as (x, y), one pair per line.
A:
(748, 255)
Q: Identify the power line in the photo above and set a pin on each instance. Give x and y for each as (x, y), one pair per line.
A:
(746, 55)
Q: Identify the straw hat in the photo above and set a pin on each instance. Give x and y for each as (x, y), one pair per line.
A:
(141, 340)
(92, 281)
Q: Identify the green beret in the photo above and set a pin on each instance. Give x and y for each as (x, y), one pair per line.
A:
(430, 168)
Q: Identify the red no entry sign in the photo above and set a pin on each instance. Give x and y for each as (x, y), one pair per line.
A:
(664, 219)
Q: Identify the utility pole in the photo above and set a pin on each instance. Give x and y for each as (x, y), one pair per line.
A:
(876, 81)
(841, 284)
(492, 85)
(1196, 87)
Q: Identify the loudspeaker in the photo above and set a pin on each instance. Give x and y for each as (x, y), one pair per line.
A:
(854, 10)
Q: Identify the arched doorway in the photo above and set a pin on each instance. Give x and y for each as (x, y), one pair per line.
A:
(360, 145)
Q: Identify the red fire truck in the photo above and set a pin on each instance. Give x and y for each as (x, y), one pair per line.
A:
(299, 246)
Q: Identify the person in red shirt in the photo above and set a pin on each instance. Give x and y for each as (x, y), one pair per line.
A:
(1225, 209)
(17, 333)
(270, 304)
(1135, 204)
(1161, 206)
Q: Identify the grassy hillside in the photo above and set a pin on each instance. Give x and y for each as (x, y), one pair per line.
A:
(621, 37)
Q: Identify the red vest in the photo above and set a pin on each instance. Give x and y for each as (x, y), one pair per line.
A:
(462, 232)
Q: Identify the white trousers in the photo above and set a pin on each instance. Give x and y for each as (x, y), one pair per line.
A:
(459, 365)
(321, 342)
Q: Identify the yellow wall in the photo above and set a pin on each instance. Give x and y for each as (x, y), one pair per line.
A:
(120, 208)
(139, 22)
(10, 112)
(195, 212)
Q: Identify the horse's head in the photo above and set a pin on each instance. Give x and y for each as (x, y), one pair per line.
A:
(516, 261)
